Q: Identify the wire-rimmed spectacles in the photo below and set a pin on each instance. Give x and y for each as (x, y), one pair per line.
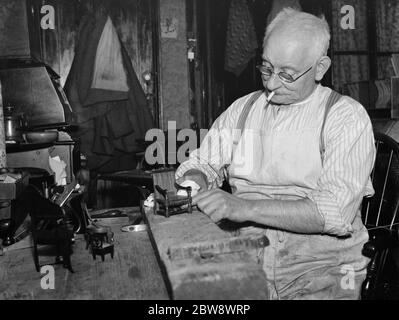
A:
(284, 76)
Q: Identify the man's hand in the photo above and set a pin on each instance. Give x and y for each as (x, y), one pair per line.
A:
(219, 205)
(196, 176)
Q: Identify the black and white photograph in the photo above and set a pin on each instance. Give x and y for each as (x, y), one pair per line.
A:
(202, 157)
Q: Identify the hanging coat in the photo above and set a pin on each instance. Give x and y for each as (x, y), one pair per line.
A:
(107, 98)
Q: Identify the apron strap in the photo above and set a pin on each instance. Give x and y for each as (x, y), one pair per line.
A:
(332, 100)
(243, 117)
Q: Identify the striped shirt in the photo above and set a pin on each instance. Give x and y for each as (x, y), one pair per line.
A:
(278, 155)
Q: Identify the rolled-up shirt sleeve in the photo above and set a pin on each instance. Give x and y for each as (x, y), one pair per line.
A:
(348, 160)
(215, 152)
(212, 156)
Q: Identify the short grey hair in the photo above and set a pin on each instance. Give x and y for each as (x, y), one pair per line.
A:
(306, 23)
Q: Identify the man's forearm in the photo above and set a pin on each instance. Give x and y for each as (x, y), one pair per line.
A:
(299, 216)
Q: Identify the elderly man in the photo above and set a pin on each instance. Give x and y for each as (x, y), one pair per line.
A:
(297, 173)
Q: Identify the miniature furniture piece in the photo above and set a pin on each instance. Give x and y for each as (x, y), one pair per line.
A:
(54, 221)
(380, 216)
(49, 226)
(167, 201)
(100, 240)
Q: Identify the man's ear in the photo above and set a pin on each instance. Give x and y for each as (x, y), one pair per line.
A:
(322, 66)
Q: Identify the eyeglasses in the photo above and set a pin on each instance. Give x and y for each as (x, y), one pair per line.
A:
(284, 76)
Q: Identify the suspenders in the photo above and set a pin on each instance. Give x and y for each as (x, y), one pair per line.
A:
(243, 117)
(332, 99)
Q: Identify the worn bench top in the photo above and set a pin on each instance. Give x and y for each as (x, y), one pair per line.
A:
(204, 261)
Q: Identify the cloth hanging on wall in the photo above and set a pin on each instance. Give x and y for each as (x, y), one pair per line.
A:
(111, 117)
(109, 72)
(279, 5)
(241, 44)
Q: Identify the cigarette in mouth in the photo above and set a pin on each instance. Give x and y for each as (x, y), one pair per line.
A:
(270, 96)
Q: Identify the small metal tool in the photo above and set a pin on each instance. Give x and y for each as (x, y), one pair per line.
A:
(134, 228)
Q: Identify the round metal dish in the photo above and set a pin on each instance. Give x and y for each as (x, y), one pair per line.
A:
(41, 136)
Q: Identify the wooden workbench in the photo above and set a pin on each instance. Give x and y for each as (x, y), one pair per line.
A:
(200, 260)
(133, 273)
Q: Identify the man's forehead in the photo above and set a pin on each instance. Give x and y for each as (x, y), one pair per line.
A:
(287, 51)
(280, 63)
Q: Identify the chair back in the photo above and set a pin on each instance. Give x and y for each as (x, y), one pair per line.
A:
(381, 210)
(165, 179)
(380, 216)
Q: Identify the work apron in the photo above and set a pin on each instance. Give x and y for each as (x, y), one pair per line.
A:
(298, 266)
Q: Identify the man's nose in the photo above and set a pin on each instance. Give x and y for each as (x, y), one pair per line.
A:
(273, 82)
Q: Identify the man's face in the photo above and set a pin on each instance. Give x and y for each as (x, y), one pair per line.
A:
(291, 54)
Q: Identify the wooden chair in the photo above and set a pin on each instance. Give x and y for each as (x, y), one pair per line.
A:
(167, 202)
(55, 222)
(49, 226)
(380, 216)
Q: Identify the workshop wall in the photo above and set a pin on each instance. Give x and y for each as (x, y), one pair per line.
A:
(131, 19)
(22, 35)
(174, 67)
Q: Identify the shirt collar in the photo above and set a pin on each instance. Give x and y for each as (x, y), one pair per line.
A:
(309, 98)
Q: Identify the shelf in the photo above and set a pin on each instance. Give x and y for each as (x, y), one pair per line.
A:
(23, 147)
